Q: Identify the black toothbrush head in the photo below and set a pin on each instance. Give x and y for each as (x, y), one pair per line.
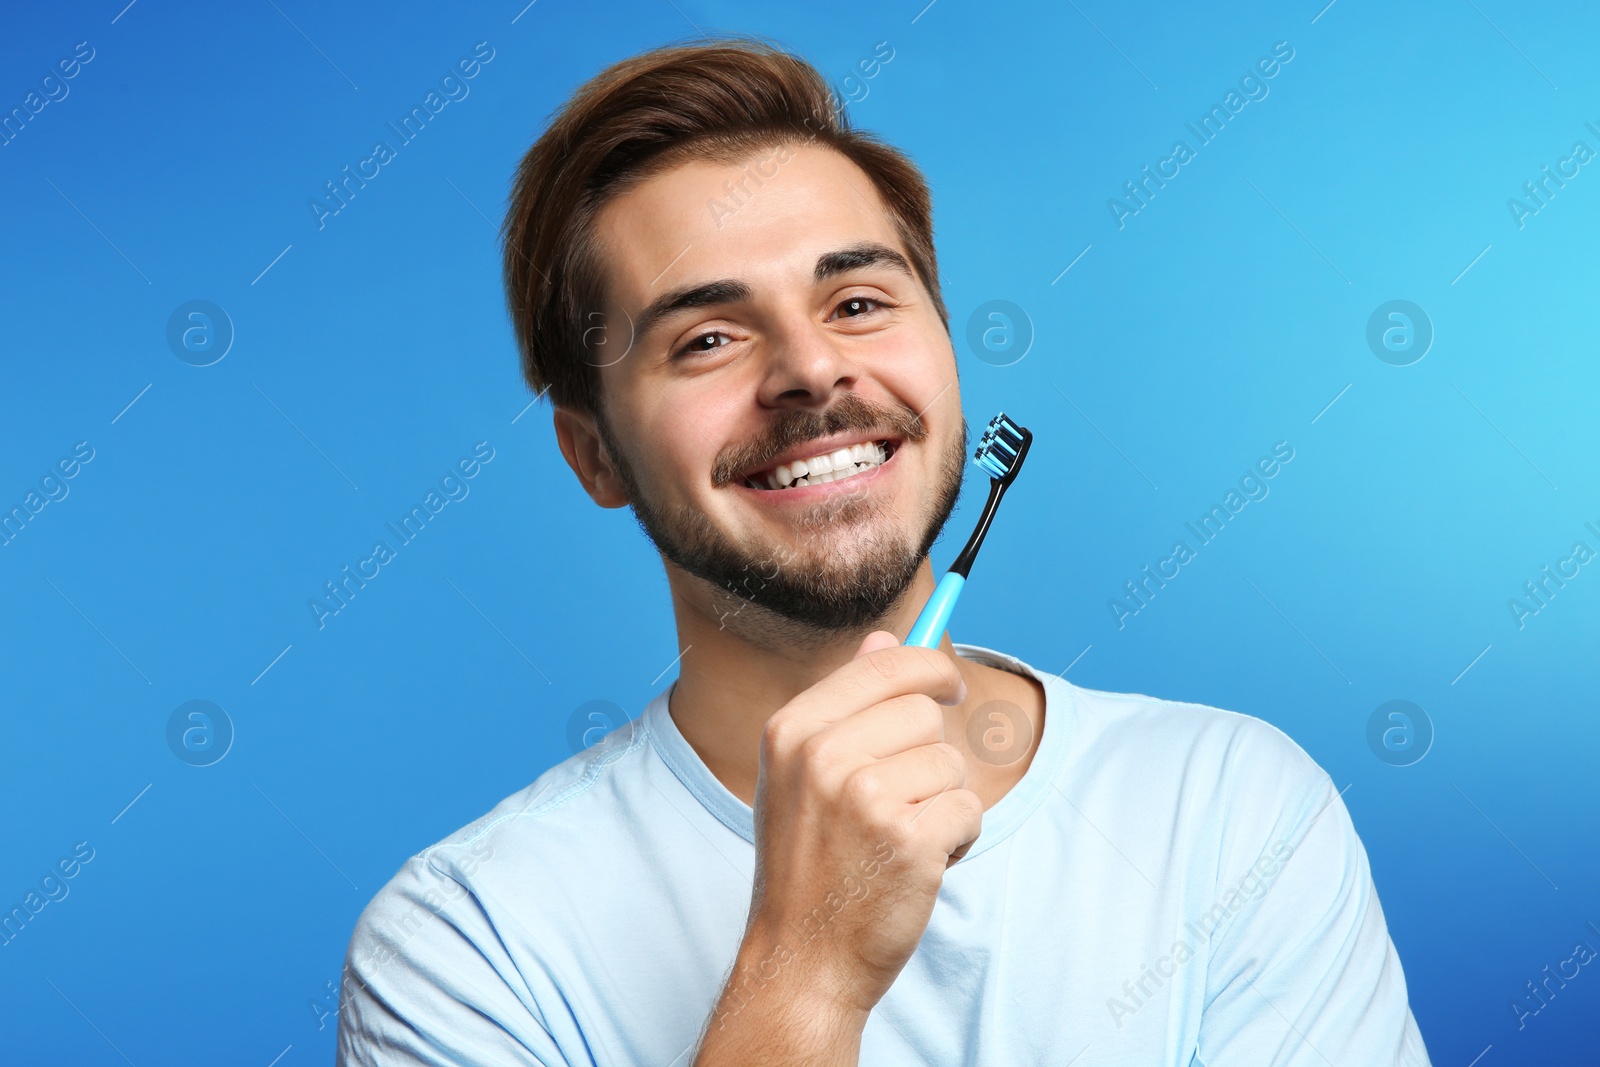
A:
(1002, 449)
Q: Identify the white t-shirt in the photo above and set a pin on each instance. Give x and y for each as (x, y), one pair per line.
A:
(1168, 884)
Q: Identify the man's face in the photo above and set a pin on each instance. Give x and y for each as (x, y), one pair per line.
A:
(774, 320)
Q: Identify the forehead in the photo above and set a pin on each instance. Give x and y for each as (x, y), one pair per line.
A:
(765, 217)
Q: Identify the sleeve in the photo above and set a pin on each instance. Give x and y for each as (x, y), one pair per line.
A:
(1303, 973)
(427, 981)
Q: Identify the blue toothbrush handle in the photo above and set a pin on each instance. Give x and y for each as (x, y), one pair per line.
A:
(930, 625)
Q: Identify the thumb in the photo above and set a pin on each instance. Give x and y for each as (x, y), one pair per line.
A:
(874, 641)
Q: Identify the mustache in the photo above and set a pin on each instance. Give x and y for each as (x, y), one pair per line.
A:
(796, 426)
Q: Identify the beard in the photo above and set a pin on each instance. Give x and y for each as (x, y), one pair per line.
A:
(852, 568)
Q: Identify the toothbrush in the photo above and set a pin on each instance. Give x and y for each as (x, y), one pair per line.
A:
(1000, 453)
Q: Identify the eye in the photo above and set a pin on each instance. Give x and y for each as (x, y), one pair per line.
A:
(704, 342)
(857, 306)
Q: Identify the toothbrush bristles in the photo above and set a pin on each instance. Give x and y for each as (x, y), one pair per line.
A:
(1001, 447)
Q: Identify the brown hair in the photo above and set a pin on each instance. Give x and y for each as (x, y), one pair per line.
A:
(716, 101)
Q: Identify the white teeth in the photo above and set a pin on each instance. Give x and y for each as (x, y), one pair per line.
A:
(832, 466)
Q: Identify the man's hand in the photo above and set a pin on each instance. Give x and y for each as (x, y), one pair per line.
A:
(860, 808)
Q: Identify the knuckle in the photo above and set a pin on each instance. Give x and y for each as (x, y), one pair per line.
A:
(970, 805)
(938, 670)
(952, 757)
(908, 832)
(862, 789)
(919, 712)
(779, 734)
(816, 750)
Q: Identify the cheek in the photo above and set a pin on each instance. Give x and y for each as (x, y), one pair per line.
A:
(919, 369)
(677, 443)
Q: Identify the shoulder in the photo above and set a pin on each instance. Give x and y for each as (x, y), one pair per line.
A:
(1160, 754)
(1199, 735)
(442, 949)
(1210, 755)
(545, 827)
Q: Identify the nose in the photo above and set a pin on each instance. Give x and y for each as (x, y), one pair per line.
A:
(805, 367)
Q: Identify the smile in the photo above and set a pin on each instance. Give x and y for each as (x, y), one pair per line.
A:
(836, 465)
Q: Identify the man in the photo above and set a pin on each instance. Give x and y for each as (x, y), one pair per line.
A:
(819, 846)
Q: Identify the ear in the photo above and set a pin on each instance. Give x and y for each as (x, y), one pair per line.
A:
(585, 452)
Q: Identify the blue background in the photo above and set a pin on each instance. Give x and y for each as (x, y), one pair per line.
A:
(372, 353)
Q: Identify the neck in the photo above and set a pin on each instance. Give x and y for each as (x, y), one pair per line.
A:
(733, 675)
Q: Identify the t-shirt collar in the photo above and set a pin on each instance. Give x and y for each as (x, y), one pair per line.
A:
(999, 822)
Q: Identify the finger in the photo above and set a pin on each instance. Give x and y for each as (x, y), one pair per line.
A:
(873, 677)
(952, 820)
(918, 774)
(886, 728)
(875, 640)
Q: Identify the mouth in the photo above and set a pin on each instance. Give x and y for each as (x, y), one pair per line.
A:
(840, 463)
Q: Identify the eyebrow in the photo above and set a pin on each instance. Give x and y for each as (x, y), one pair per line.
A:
(830, 264)
(730, 291)
(708, 294)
